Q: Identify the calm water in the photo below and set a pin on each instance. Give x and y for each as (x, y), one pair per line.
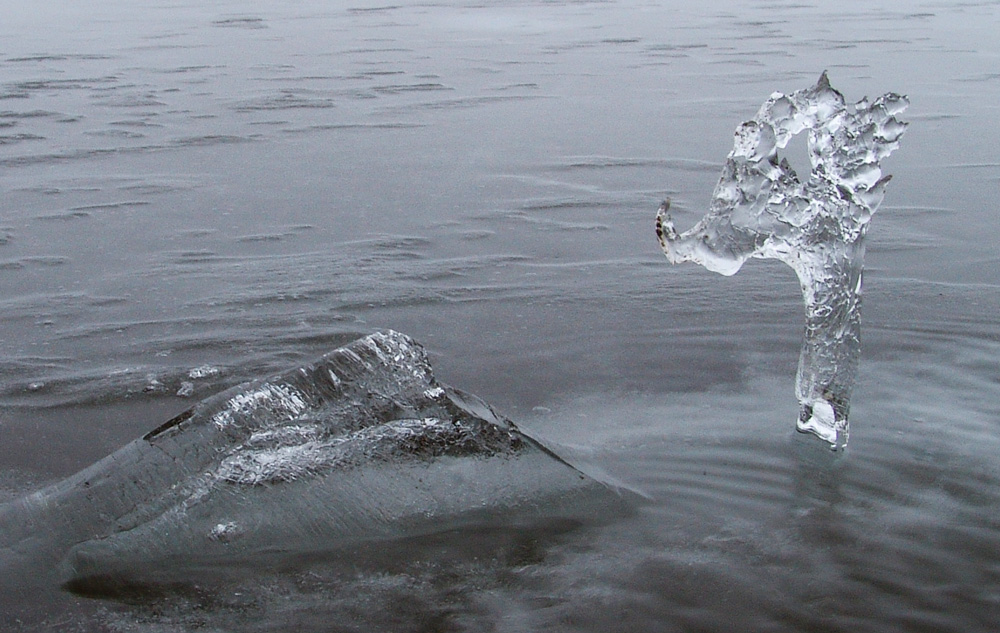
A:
(198, 193)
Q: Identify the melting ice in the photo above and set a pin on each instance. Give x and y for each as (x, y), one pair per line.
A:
(762, 208)
(362, 444)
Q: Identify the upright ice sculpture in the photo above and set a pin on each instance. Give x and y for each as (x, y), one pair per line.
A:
(761, 208)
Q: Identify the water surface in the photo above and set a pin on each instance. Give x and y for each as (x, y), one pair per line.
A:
(198, 194)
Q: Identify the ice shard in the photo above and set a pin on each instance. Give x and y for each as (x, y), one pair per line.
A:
(817, 225)
(362, 445)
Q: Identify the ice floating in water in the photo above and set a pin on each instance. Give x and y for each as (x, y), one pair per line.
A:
(362, 444)
(761, 208)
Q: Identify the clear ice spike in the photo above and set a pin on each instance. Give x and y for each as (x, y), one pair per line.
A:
(761, 208)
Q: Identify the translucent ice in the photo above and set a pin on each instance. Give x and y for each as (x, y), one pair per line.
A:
(362, 444)
(762, 208)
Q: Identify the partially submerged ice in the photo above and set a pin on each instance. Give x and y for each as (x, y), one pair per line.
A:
(762, 208)
(364, 444)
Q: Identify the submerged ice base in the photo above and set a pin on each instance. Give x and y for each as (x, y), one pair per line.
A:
(761, 208)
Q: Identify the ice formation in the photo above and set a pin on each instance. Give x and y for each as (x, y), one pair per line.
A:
(362, 444)
(762, 208)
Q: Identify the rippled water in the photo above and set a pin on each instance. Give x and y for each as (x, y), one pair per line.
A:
(198, 193)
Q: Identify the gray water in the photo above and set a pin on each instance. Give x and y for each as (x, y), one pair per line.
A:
(199, 193)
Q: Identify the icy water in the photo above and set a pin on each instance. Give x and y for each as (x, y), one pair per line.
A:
(195, 194)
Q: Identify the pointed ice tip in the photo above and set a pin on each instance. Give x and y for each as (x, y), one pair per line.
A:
(824, 81)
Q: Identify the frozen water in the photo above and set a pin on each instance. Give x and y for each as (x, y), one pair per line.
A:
(362, 444)
(762, 208)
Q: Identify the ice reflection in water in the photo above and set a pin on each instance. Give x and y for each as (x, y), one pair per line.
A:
(762, 209)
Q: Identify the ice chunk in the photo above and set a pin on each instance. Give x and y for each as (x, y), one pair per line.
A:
(203, 371)
(362, 444)
(762, 208)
